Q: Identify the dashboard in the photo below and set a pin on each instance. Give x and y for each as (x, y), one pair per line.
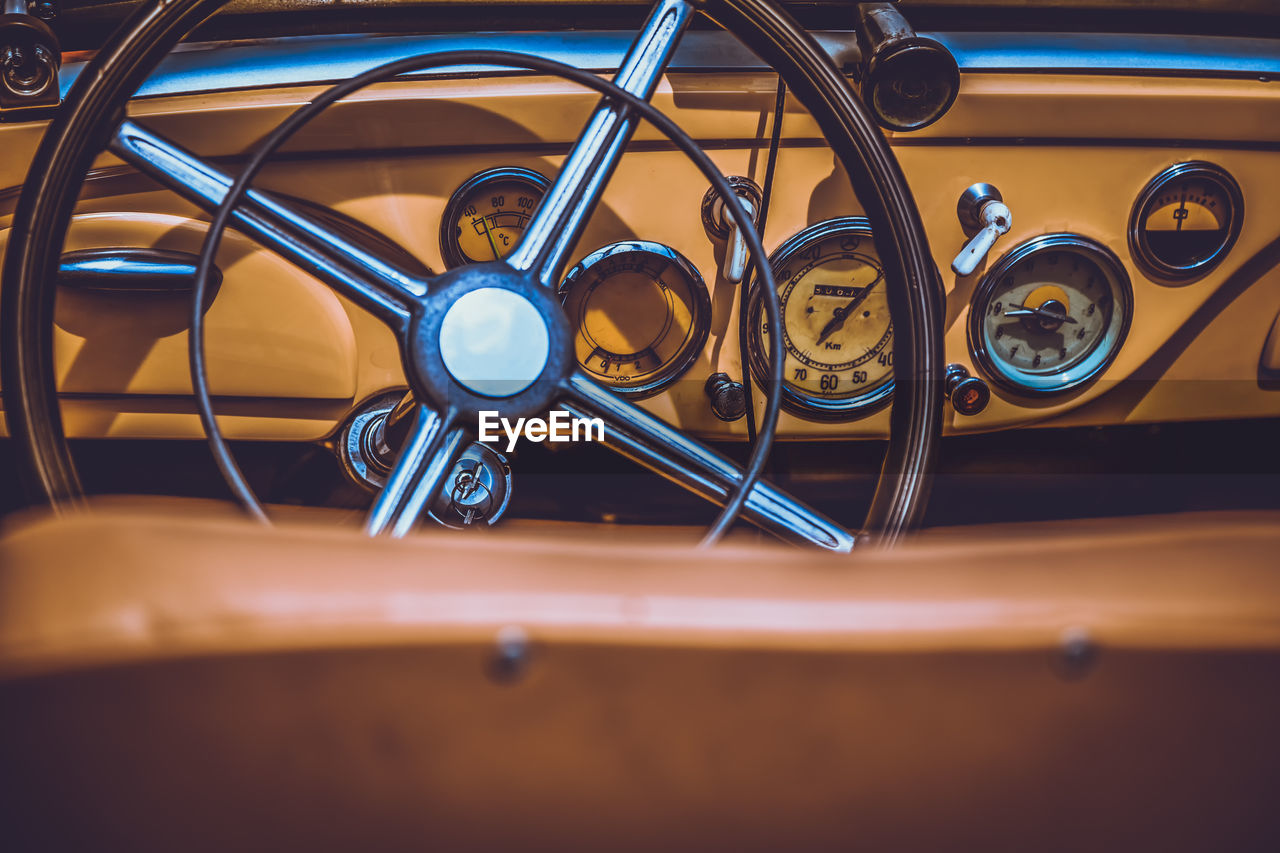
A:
(1068, 602)
(1129, 183)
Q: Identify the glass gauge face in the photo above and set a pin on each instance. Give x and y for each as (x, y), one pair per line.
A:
(1185, 221)
(640, 313)
(837, 337)
(1051, 314)
(486, 216)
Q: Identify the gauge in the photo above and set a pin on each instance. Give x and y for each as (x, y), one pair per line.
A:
(640, 312)
(1185, 222)
(837, 337)
(485, 216)
(1051, 314)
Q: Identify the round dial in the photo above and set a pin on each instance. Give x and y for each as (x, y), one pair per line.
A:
(1185, 221)
(1051, 314)
(485, 216)
(640, 312)
(837, 336)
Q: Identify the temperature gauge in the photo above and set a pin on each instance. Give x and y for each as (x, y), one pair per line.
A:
(485, 217)
(1185, 222)
(640, 312)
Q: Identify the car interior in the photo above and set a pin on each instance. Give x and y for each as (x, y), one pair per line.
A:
(689, 424)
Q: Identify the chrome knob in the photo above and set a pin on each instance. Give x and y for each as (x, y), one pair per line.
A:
(728, 398)
(969, 395)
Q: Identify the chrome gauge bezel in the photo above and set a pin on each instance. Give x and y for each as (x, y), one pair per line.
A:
(450, 250)
(1104, 351)
(701, 312)
(1161, 271)
(797, 402)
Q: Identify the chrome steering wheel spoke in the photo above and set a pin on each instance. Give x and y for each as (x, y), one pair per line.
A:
(559, 220)
(430, 450)
(640, 436)
(372, 282)
(417, 305)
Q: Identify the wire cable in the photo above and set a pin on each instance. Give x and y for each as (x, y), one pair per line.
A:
(766, 193)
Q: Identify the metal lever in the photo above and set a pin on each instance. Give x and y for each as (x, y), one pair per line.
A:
(735, 253)
(980, 209)
(721, 226)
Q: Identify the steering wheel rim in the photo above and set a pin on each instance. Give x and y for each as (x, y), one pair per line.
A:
(311, 110)
(74, 138)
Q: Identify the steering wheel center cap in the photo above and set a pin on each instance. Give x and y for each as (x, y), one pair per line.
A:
(494, 342)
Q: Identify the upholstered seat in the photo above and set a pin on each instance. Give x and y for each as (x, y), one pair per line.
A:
(170, 682)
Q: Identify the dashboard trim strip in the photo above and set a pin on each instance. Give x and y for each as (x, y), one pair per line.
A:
(308, 60)
(1110, 53)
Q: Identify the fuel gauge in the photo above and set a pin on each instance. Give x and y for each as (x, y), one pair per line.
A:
(1185, 222)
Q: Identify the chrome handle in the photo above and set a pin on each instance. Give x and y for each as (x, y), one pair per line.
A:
(125, 270)
(721, 225)
(982, 209)
(735, 255)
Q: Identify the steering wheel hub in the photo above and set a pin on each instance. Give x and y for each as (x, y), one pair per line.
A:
(485, 338)
(494, 342)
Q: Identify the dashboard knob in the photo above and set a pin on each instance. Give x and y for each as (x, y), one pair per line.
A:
(30, 57)
(968, 394)
(980, 209)
(728, 398)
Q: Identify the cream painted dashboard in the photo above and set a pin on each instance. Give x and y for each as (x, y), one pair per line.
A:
(290, 360)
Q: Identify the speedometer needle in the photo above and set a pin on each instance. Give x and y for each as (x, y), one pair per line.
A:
(837, 322)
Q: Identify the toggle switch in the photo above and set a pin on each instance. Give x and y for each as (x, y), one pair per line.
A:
(721, 226)
(983, 214)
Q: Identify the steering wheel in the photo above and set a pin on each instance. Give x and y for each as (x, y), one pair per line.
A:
(452, 377)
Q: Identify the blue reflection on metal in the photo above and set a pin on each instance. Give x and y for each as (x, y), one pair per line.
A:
(125, 266)
(131, 270)
(1112, 53)
(319, 59)
(304, 60)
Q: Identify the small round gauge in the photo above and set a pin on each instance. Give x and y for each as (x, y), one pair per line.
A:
(640, 312)
(1185, 222)
(485, 216)
(1051, 314)
(837, 337)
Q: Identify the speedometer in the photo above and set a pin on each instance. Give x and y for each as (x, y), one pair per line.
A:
(837, 336)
